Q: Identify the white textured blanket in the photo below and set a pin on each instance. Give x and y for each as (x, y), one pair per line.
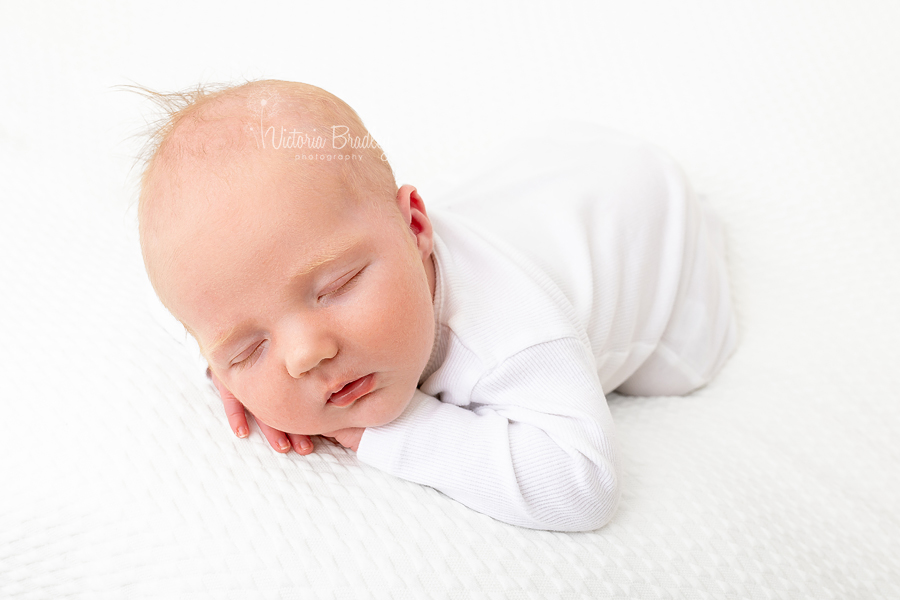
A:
(118, 475)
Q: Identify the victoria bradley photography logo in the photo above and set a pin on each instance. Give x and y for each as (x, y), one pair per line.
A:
(339, 139)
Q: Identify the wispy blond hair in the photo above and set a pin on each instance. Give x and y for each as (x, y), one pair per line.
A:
(320, 107)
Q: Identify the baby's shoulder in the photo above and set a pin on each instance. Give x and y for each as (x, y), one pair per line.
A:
(494, 299)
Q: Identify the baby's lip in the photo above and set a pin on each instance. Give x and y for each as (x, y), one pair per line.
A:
(352, 391)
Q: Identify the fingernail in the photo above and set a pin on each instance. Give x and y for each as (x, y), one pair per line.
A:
(305, 445)
(283, 444)
(242, 432)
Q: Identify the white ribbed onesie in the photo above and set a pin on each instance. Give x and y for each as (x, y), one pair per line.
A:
(571, 268)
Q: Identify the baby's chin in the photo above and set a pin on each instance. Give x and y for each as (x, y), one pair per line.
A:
(381, 406)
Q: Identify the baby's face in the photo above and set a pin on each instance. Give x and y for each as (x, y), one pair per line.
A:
(312, 307)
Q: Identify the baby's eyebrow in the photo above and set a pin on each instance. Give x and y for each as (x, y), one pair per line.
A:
(330, 254)
(211, 350)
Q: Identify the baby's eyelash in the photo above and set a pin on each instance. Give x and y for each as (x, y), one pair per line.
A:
(345, 287)
(248, 362)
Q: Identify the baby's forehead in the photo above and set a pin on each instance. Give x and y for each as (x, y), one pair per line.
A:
(218, 159)
(205, 139)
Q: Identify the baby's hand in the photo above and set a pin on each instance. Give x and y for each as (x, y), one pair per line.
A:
(348, 438)
(237, 419)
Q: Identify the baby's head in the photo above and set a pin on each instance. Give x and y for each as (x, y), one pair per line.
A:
(305, 281)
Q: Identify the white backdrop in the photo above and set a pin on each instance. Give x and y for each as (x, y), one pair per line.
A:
(119, 475)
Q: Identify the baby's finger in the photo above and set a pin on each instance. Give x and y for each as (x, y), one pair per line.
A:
(237, 418)
(234, 410)
(302, 444)
(277, 439)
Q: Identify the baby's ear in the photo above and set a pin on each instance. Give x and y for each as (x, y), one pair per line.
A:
(412, 208)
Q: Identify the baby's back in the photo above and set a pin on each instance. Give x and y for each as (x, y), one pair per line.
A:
(614, 224)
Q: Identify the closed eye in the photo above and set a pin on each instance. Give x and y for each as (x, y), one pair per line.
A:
(342, 285)
(251, 358)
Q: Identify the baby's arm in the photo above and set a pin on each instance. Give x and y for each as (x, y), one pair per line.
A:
(535, 448)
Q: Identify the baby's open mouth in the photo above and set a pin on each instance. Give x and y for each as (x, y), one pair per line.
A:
(352, 391)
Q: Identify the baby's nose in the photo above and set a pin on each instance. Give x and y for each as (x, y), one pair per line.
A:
(307, 353)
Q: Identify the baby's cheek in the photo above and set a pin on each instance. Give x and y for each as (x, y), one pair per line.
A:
(366, 324)
(289, 405)
(397, 319)
(261, 394)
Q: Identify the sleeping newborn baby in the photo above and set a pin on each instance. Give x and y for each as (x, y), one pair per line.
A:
(468, 349)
